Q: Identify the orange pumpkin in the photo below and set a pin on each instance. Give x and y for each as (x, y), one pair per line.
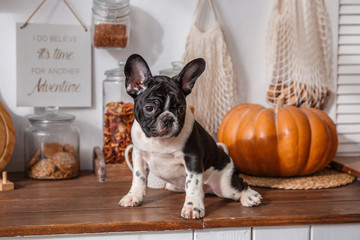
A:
(285, 141)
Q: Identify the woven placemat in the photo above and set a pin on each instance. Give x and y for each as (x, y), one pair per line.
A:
(326, 178)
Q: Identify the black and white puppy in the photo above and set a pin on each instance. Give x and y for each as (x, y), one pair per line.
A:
(173, 146)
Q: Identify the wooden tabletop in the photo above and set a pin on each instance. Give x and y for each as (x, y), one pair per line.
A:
(83, 205)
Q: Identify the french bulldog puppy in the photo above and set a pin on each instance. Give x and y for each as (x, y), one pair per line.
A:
(173, 146)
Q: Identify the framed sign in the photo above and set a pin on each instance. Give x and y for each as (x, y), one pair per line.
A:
(53, 65)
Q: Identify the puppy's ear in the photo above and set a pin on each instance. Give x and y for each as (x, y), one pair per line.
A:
(137, 72)
(189, 74)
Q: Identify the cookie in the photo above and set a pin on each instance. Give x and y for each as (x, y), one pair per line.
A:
(42, 169)
(64, 161)
(68, 148)
(50, 149)
(57, 175)
(34, 159)
(70, 174)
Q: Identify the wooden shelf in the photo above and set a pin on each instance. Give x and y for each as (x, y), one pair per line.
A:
(83, 205)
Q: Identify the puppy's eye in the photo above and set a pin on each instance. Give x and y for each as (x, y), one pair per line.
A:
(149, 108)
(181, 109)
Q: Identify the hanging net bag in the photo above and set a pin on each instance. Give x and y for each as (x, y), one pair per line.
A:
(214, 92)
(299, 53)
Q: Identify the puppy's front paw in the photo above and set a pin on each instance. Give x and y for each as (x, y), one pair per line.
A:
(250, 198)
(131, 200)
(193, 211)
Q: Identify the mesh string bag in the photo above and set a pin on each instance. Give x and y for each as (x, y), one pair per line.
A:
(299, 53)
(214, 92)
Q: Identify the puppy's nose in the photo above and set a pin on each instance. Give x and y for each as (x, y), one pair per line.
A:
(167, 121)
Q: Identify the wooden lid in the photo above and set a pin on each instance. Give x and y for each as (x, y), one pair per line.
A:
(7, 137)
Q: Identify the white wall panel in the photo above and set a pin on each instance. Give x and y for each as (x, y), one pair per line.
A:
(348, 108)
(350, 89)
(349, 39)
(335, 232)
(349, 147)
(345, 49)
(282, 233)
(223, 234)
(348, 69)
(348, 118)
(348, 128)
(350, 9)
(349, 138)
(348, 59)
(349, 30)
(348, 78)
(349, 19)
(348, 99)
(351, 2)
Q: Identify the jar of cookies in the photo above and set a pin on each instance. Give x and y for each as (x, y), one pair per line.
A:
(118, 115)
(110, 23)
(52, 146)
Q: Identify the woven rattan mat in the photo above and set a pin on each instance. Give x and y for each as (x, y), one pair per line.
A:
(326, 178)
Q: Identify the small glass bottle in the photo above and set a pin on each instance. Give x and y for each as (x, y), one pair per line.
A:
(171, 72)
(110, 23)
(52, 146)
(118, 113)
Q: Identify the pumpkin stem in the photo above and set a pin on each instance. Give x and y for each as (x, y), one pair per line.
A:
(280, 102)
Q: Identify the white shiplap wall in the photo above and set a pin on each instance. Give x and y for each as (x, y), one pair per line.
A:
(348, 79)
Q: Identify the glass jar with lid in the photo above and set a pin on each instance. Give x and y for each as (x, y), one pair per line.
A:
(52, 146)
(177, 66)
(110, 23)
(118, 115)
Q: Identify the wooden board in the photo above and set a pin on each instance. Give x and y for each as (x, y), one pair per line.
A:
(83, 205)
(350, 165)
(7, 137)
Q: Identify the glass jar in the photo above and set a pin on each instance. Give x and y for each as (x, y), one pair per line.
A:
(52, 146)
(177, 66)
(110, 23)
(118, 112)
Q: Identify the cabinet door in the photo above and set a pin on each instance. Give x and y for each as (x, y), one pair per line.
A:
(282, 233)
(223, 234)
(335, 232)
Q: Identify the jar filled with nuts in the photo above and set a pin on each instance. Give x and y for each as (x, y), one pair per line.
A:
(110, 23)
(118, 112)
(52, 146)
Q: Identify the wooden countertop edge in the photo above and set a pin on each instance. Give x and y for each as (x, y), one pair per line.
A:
(85, 228)
(285, 221)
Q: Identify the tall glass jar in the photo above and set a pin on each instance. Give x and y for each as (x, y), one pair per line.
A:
(118, 112)
(52, 146)
(176, 67)
(110, 23)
